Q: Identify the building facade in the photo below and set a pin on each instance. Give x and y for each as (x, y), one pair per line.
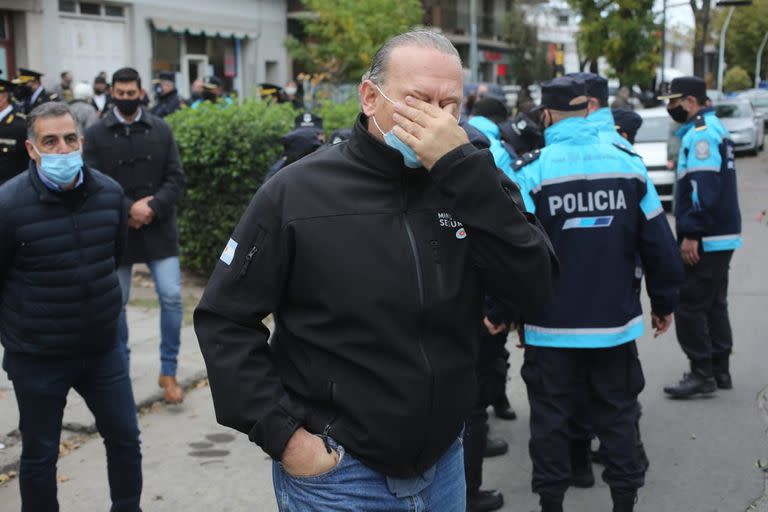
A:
(240, 41)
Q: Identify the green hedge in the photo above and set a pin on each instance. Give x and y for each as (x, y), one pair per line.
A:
(225, 153)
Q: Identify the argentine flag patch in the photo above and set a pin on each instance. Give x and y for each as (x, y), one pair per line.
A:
(229, 252)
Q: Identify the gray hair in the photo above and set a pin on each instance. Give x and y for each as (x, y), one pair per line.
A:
(422, 38)
(45, 111)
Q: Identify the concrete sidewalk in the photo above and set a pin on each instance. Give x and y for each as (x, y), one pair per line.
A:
(144, 325)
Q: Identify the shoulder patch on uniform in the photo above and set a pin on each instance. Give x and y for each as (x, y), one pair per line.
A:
(526, 159)
(626, 149)
(700, 123)
(701, 150)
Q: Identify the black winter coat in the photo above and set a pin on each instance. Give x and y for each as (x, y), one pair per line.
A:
(375, 274)
(144, 159)
(59, 292)
(167, 104)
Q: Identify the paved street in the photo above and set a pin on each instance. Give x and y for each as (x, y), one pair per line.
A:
(705, 454)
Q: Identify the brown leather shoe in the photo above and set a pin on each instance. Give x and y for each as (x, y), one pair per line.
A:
(173, 392)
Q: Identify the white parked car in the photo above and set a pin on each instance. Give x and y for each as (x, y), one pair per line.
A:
(746, 126)
(651, 143)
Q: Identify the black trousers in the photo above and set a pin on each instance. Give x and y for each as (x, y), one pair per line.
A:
(601, 385)
(701, 320)
(491, 379)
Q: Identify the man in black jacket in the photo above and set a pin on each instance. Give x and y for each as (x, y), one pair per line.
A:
(168, 100)
(62, 232)
(137, 149)
(373, 255)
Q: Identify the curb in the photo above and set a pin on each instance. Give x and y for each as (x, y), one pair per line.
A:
(761, 503)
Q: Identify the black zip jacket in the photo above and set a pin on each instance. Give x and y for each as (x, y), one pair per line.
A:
(375, 274)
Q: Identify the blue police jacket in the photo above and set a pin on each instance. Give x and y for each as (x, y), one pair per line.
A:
(706, 196)
(603, 215)
(491, 130)
(606, 127)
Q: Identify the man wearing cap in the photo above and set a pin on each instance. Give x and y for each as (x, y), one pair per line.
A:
(581, 360)
(101, 99)
(168, 100)
(30, 90)
(13, 133)
(598, 112)
(213, 92)
(628, 122)
(708, 224)
(522, 134)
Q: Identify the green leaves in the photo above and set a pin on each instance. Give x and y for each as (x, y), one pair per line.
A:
(736, 79)
(225, 153)
(745, 33)
(625, 33)
(344, 34)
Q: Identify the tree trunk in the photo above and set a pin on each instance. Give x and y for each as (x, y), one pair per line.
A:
(702, 17)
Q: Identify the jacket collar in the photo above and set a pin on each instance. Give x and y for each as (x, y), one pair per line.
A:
(575, 130)
(111, 119)
(486, 127)
(374, 153)
(706, 111)
(602, 118)
(46, 195)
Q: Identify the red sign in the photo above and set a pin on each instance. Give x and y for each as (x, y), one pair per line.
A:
(501, 69)
(492, 56)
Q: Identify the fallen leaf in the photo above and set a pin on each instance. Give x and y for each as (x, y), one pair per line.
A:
(62, 478)
(693, 436)
(3, 393)
(4, 477)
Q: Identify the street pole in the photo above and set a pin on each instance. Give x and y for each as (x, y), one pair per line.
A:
(663, 44)
(759, 60)
(721, 56)
(473, 56)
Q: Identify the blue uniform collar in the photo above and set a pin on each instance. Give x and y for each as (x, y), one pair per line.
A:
(486, 126)
(706, 111)
(603, 119)
(577, 130)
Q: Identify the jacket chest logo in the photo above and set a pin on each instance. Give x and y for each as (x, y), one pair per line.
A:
(447, 221)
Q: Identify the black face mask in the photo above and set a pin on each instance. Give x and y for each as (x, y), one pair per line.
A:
(127, 107)
(209, 96)
(678, 114)
(22, 93)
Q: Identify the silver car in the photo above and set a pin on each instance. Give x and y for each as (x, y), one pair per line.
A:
(652, 144)
(745, 124)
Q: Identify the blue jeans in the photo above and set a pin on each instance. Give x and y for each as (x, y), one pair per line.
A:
(353, 487)
(41, 386)
(167, 277)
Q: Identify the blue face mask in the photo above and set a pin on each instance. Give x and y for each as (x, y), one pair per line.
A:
(410, 157)
(61, 169)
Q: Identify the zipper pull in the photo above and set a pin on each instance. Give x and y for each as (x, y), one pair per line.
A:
(248, 258)
(324, 436)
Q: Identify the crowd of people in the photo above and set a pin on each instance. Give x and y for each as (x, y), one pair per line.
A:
(397, 257)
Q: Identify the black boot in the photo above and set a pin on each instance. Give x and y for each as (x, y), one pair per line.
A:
(721, 370)
(698, 382)
(623, 500)
(581, 466)
(495, 447)
(503, 409)
(549, 504)
(485, 501)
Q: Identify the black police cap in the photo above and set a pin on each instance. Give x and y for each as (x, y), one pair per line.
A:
(211, 82)
(26, 75)
(563, 93)
(308, 120)
(627, 121)
(686, 86)
(597, 86)
(492, 108)
(167, 75)
(6, 86)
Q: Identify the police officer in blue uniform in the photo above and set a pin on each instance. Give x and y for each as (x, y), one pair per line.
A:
(708, 231)
(601, 212)
(628, 123)
(598, 112)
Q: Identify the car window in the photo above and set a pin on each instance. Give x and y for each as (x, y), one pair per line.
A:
(760, 102)
(653, 129)
(727, 110)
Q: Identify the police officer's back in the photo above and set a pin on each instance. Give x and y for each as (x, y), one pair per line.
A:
(13, 132)
(601, 212)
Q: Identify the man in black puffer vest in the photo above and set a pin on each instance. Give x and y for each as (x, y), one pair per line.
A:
(62, 230)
